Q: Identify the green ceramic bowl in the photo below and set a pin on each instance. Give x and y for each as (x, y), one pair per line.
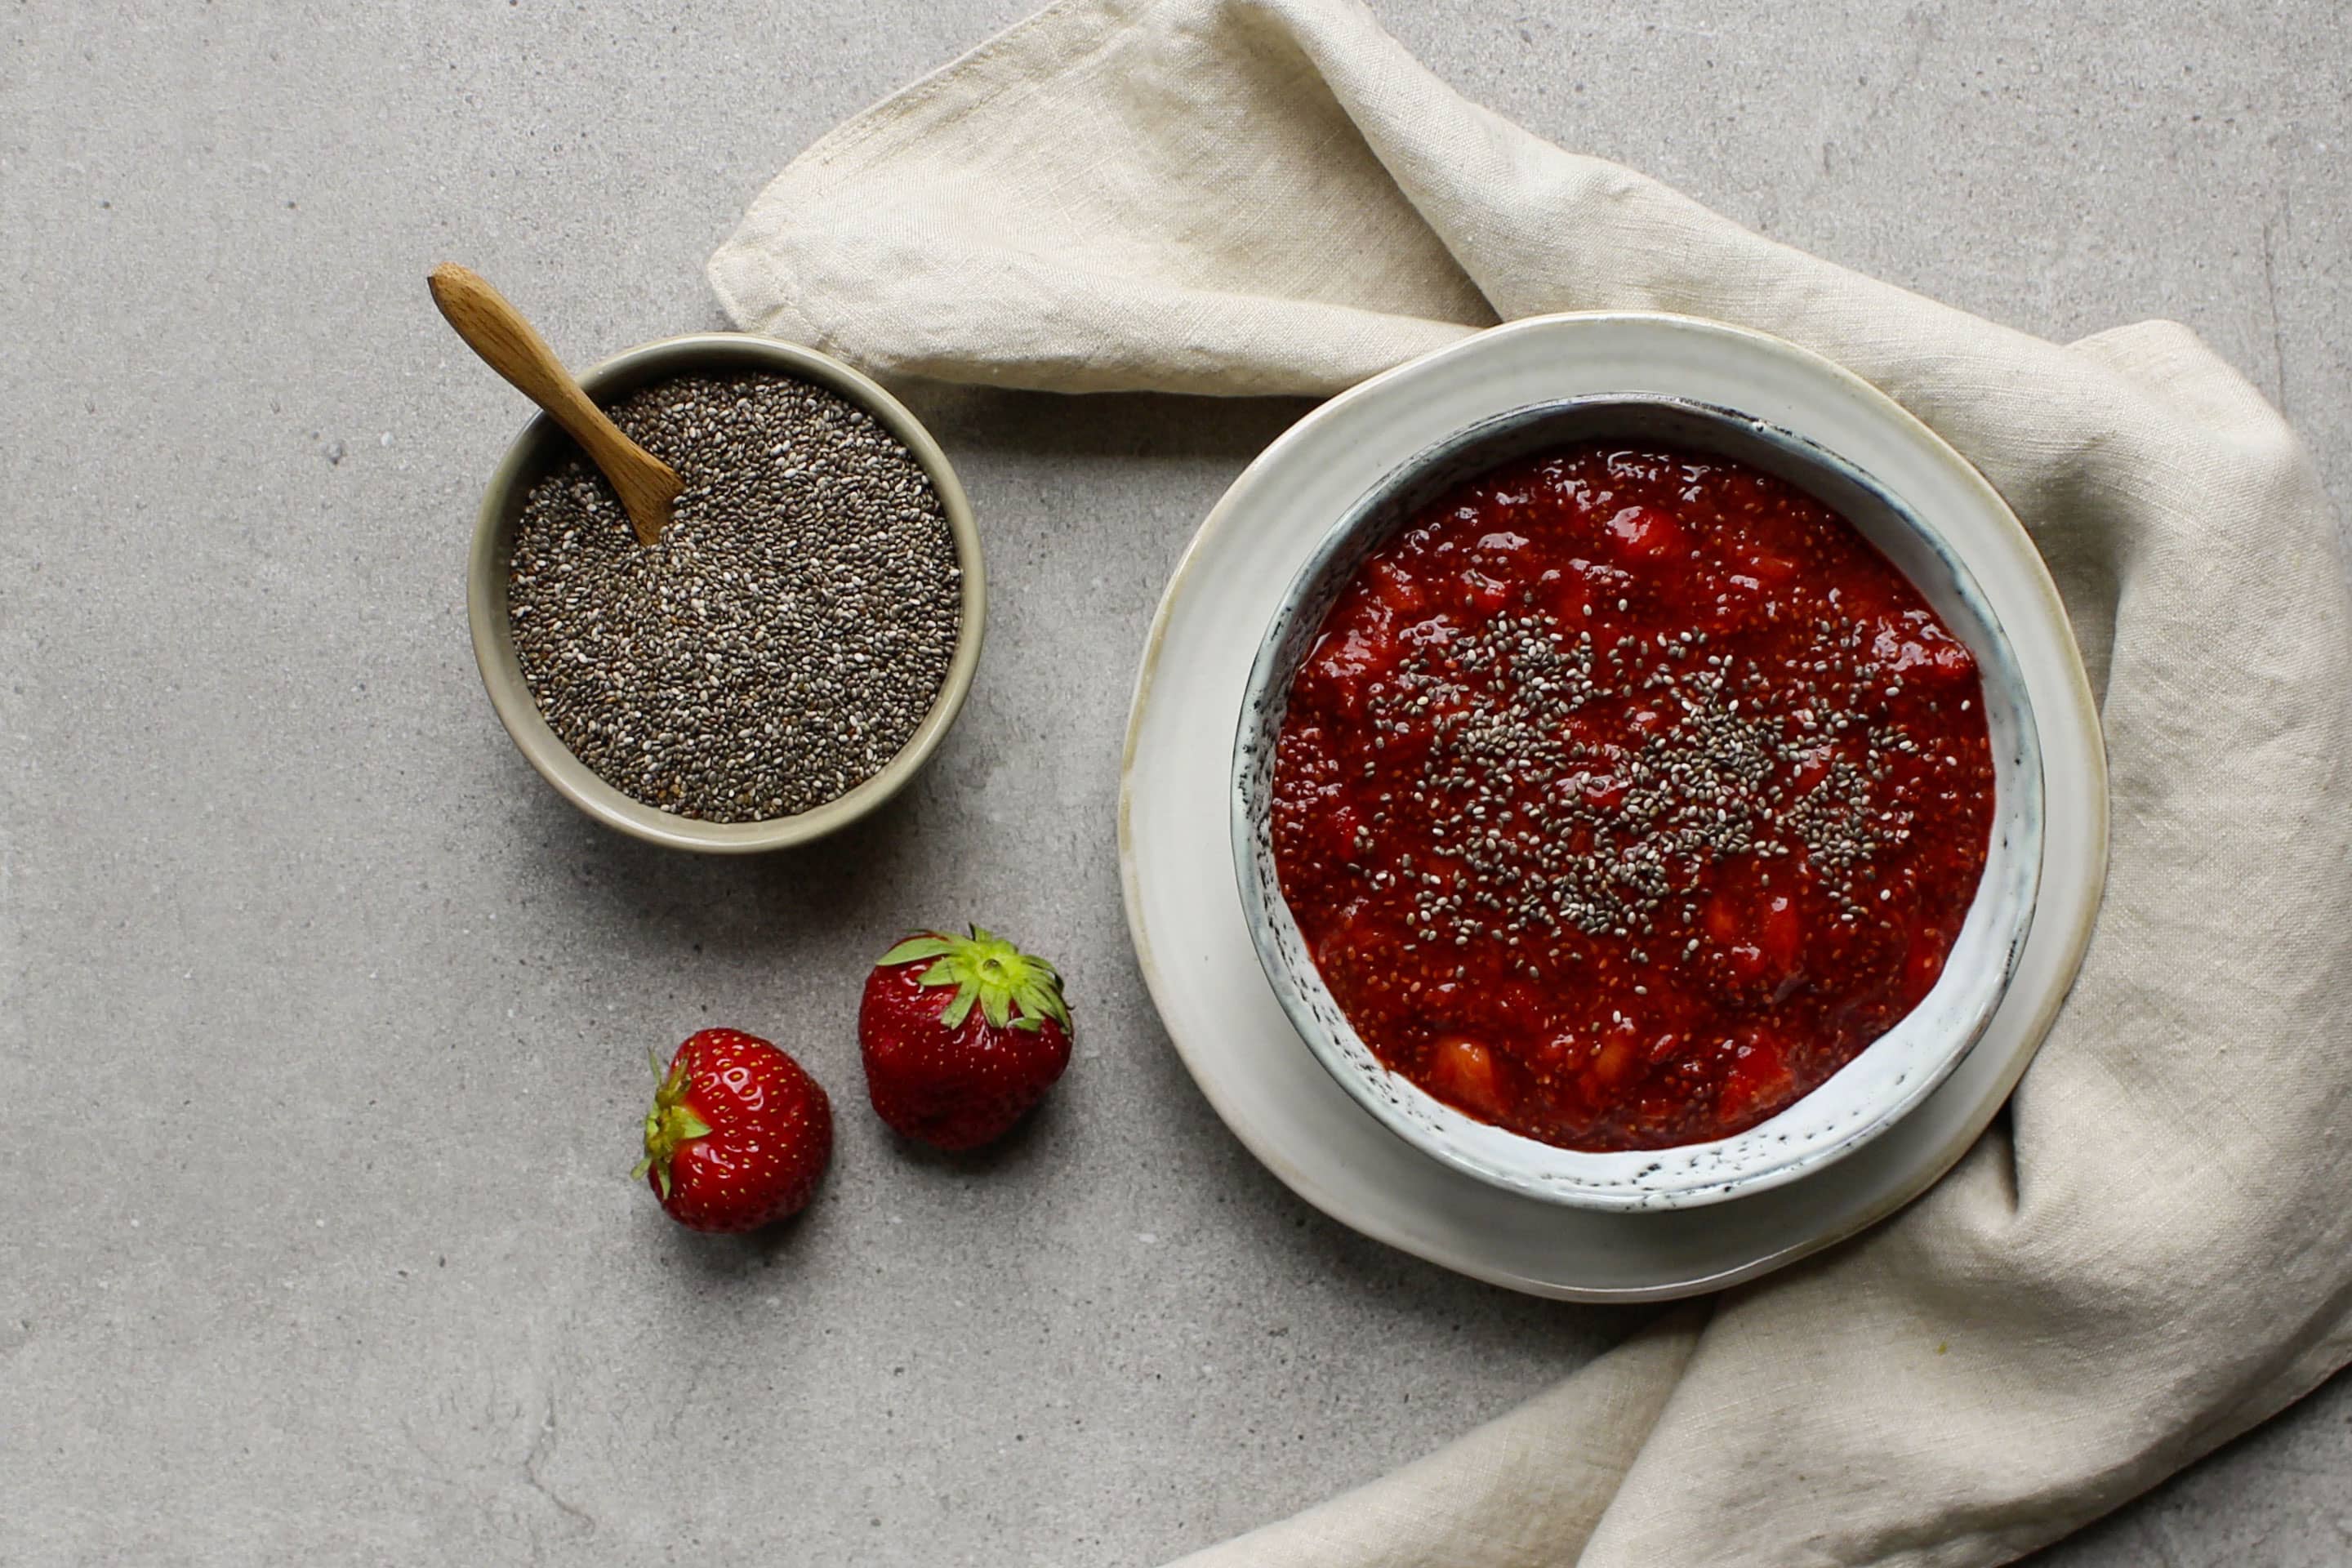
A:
(542, 444)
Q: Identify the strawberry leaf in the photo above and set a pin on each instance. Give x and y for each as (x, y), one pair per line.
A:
(1043, 999)
(1011, 988)
(670, 1123)
(913, 948)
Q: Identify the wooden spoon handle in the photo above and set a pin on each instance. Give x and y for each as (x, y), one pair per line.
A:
(508, 345)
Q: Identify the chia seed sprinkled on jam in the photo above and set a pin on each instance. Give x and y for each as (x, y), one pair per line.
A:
(1625, 796)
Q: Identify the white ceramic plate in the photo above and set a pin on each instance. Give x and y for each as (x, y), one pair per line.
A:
(1185, 908)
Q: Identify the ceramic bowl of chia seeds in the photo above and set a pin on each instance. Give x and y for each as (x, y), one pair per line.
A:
(794, 649)
(1840, 1114)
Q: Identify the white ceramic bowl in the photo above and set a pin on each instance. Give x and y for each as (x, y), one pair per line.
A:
(1863, 1098)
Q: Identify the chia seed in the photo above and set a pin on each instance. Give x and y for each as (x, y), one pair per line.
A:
(1716, 782)
(786, 637)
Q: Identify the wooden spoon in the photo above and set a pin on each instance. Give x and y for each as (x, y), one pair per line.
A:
(495, 330)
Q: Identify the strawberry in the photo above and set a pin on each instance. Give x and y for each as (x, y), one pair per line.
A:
(738, 1135)
(1462, 1070)
(961, 1036)
(1646, 533)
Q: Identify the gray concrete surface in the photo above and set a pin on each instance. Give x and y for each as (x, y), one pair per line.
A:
(325, 1023)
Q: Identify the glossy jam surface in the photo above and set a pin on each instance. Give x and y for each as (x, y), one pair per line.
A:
(1626, 796)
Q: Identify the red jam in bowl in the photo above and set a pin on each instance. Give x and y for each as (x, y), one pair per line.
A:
(1627, 796)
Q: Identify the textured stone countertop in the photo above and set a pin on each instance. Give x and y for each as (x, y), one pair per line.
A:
(323, 1023)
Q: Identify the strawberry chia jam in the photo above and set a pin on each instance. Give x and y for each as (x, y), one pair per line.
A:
(1626, 796)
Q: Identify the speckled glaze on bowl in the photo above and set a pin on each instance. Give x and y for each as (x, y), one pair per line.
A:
(1863, 1098)
(542, 444)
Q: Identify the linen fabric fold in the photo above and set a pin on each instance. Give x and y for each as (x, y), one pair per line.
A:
(2152, 1251)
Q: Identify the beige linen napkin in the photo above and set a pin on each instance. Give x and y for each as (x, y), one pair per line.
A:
(2155, 1250)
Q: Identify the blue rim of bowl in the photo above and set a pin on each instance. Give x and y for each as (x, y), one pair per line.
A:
(1265, 703)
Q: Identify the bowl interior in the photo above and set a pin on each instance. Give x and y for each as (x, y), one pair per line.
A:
(542, 444)
(1869, 1092)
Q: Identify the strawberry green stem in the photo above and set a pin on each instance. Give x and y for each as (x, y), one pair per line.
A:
(988, 973)
(669, 1124)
